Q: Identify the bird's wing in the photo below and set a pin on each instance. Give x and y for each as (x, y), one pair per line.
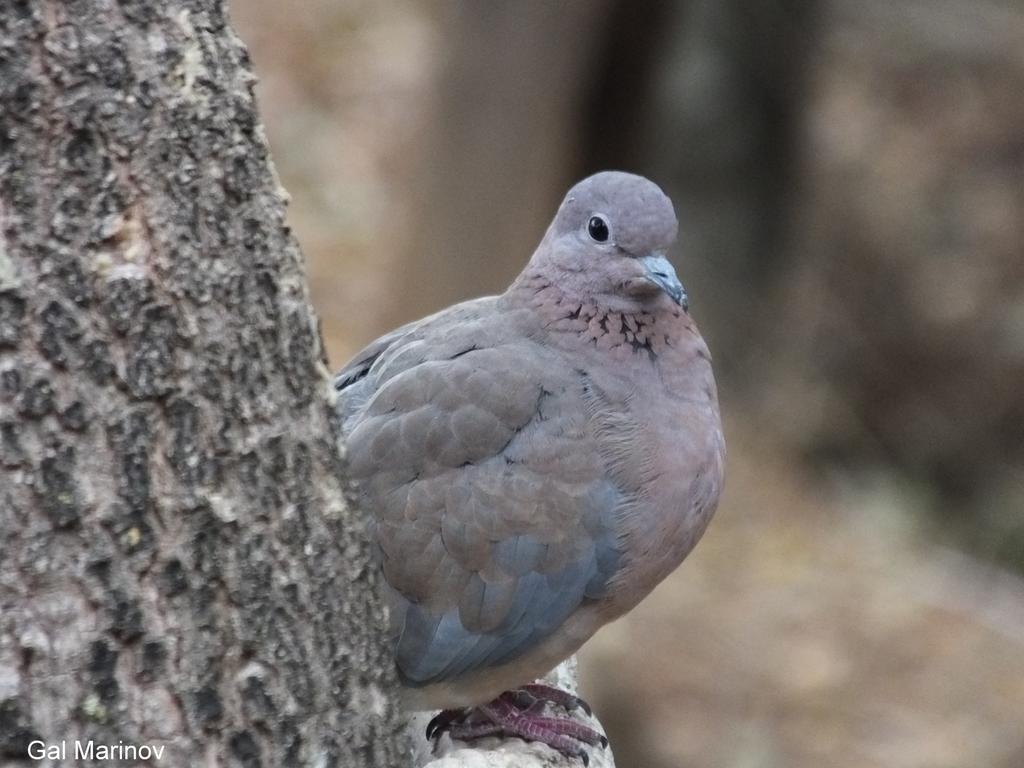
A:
(403, 347)
(493, 511)
(359, 366)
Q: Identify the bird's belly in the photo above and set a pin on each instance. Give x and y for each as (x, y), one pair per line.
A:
(675, 506)
(485, 684)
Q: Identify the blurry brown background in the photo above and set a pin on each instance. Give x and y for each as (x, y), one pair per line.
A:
(849, 178)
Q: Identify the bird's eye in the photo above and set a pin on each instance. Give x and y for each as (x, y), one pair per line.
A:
(597, 228)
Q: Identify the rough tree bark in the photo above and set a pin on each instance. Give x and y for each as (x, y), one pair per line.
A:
(177, 563)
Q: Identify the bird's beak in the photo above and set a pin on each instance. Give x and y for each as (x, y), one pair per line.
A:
(659, 271)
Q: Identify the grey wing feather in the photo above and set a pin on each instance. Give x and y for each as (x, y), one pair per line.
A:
(360, 365)
(355, 382)
(494, 521)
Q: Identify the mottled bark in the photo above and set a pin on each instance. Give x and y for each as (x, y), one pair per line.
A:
(177, 562)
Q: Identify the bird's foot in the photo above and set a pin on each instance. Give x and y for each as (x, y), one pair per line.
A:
(564, 699)
(521, 713)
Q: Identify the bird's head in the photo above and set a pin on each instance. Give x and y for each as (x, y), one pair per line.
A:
(608, 243)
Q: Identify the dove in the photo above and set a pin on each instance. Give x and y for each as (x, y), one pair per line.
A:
(535, 463)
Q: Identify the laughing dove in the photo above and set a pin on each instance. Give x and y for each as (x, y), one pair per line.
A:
(536, 462)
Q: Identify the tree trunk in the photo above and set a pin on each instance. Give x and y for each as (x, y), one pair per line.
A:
(178, 567)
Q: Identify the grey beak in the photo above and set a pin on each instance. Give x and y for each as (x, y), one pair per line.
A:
(661, 272)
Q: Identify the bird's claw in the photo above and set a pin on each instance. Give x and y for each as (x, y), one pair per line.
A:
(443, 721)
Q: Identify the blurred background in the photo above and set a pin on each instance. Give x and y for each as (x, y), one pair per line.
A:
(849, 178)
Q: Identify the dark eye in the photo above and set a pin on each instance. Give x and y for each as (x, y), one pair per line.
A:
(597, 227)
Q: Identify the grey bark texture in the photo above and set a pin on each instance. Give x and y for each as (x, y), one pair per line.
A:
(178, 565)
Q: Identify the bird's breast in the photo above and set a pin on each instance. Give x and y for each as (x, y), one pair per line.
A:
(652, 405)
(671, 439)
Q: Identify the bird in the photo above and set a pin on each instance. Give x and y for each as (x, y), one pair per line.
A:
(533, 464)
